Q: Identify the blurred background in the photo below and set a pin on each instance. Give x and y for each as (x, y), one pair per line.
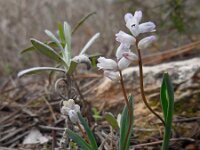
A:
(177, 24)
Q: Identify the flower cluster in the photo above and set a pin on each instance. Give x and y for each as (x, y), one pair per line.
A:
(123, 54)
(70, 109)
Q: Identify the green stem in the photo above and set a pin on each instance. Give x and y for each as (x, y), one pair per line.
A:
(166, 138)
(142, 84)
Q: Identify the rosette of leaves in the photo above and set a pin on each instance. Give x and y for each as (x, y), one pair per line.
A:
(63, 58)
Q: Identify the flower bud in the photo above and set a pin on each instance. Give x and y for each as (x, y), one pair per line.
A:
(147, 27)
(73, 116)
(125, 38)
(130, 56)
(145, 42)
(82, 59)
(107, 64)
(120, 50)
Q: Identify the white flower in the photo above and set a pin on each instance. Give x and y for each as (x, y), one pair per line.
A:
(73, 116)
(120, 50)
(70, 109)
(125, 38)
(106, 64)
(147, 27)
(111, 75)
(132, 23)
(145, 42)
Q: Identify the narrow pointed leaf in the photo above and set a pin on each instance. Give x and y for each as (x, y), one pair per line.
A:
(82, 21)
(124, 124)
(31, 48)
(38, 70)
(61, 32)
(67, 34)
(89, 43)
(89, 132)
(167, 103)
(77, 139)
(47, 50)
(54, 39)
(111, 120)
(66, 54)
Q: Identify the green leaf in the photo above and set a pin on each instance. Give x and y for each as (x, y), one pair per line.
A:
(89, 132)
(167, 103)
(38, 70)
(124, 124)
(61, 32)
(89, 43)
(111, 120)
(31, 48)
(82, 21)
(47, 50)
(67, 55)
(54, 39)
(67, 34)
(77, 139)
(72, 67)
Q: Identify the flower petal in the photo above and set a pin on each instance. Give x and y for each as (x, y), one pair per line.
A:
(120, 50)
(133, 25)
(145, 42)
(125, 38)
(73, 116)
(106, 64)
(69, 103)
(138, 15)
(130, 56)
(123, 63)
(127, 16)
(147, 27)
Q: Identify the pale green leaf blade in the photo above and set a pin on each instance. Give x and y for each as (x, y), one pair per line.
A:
(124, 124)
(54, 39)
(61, 32)
(47, 50)
(89, 43)
(67, 34)
(111, 120)
(38, 70)
(31, 48)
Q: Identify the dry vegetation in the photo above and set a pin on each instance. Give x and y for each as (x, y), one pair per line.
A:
(33, 102)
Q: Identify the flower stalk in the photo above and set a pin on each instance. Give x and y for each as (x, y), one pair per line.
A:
(142, 84)
(82, 132)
